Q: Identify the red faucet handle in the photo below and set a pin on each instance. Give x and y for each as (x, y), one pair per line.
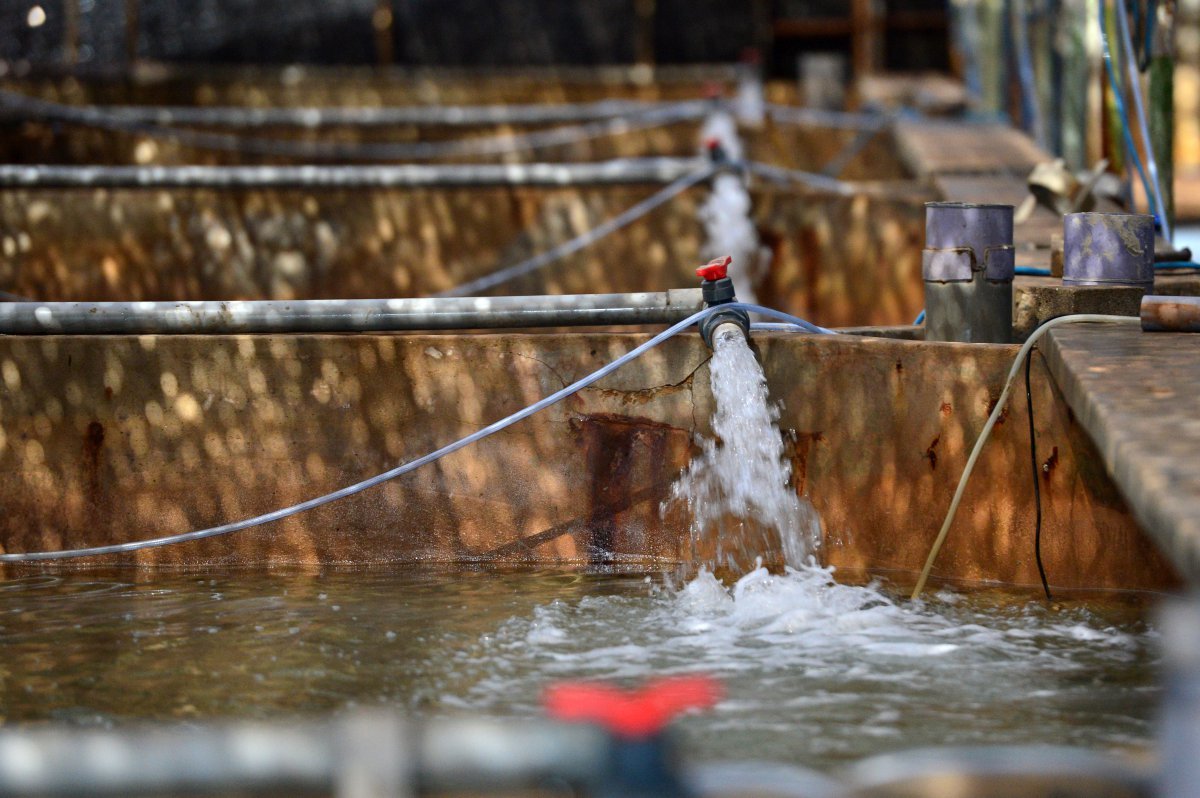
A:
(717, 269)
(637, 713)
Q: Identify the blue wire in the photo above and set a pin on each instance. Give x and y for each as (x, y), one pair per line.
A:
(1119, 99)
(1030, 103)
(1033, 271)
(920, 319)
(1148, 25)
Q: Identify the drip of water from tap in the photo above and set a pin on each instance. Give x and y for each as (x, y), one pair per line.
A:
(737, 492)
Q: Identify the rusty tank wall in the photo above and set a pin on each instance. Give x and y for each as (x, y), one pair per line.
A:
(297, 244)
(841, 260)
(108, 439)
(807, 147)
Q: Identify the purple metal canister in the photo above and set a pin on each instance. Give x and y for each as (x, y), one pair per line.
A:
(1108, 249)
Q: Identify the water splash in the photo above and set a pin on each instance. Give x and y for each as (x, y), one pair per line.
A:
(738, 492)
(821, 672)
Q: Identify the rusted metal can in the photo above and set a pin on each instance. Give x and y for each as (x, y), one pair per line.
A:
(1108, 249)
(968, 266)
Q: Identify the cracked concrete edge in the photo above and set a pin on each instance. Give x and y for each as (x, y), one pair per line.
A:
(641, 395)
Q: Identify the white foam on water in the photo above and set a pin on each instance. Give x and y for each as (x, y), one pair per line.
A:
(815, 669)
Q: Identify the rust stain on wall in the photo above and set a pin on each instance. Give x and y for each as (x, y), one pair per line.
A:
(931, 453)
(622, 454)
(93, 441)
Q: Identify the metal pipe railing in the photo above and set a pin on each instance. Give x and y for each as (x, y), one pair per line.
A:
(346, 315)
(18, 106)
(615, 172)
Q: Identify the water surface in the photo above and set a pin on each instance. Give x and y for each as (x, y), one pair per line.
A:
(815, 672)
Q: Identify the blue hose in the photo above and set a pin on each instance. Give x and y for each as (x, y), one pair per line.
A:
(1148, 26)
(1034, 271)
(791, 321)
(1030, 104)
(1119, 99)
(412, 465)
(1031, 271)
(1136, 89)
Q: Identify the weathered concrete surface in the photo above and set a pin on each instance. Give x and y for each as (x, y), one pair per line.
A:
(837, 260)
(296, 244)
(814, 148)
(1039, 299)
(1138, 396)
(855, 259)
(886, 437)
(123, 438)
(138, 434)
(33, 142)
(931, 93)
(1036, 300)
(934, 148)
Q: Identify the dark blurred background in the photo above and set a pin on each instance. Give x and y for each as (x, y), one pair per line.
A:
(106, 34)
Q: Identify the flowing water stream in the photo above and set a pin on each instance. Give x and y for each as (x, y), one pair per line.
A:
(737, 493)
(815, 672)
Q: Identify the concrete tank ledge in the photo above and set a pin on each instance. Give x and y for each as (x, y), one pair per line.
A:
(1138, 396)
(108, 439)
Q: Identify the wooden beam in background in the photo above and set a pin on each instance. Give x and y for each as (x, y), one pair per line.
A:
(71, 32)
(383, 25)
(132, 29)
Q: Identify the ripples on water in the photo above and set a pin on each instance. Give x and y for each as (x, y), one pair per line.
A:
(815, 672)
